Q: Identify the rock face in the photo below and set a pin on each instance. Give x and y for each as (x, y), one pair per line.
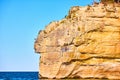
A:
(85, 44)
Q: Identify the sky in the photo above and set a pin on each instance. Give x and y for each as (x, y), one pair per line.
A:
(20, 22)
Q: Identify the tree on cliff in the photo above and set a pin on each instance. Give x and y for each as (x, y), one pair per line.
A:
(110, 1)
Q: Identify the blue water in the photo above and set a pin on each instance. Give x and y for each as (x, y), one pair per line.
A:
(18, 75)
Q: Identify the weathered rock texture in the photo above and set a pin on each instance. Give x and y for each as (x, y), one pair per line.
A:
(85, 44)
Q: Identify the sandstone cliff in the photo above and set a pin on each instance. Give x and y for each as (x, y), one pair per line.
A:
(85, 44)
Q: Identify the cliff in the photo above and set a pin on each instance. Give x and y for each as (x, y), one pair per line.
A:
(85, 44)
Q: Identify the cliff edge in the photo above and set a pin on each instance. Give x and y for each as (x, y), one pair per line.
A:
(85, 44)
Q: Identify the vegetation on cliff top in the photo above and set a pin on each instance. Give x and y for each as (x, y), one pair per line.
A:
(110, 1)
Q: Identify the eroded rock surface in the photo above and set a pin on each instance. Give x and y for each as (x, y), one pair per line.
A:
(85, 44)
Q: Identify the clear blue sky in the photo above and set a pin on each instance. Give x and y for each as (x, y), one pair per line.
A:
(20, 22)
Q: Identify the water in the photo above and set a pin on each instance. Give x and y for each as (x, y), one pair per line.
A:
(18, 75)
(28, 76)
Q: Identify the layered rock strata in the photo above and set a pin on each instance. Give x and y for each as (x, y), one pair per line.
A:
(85, 44)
